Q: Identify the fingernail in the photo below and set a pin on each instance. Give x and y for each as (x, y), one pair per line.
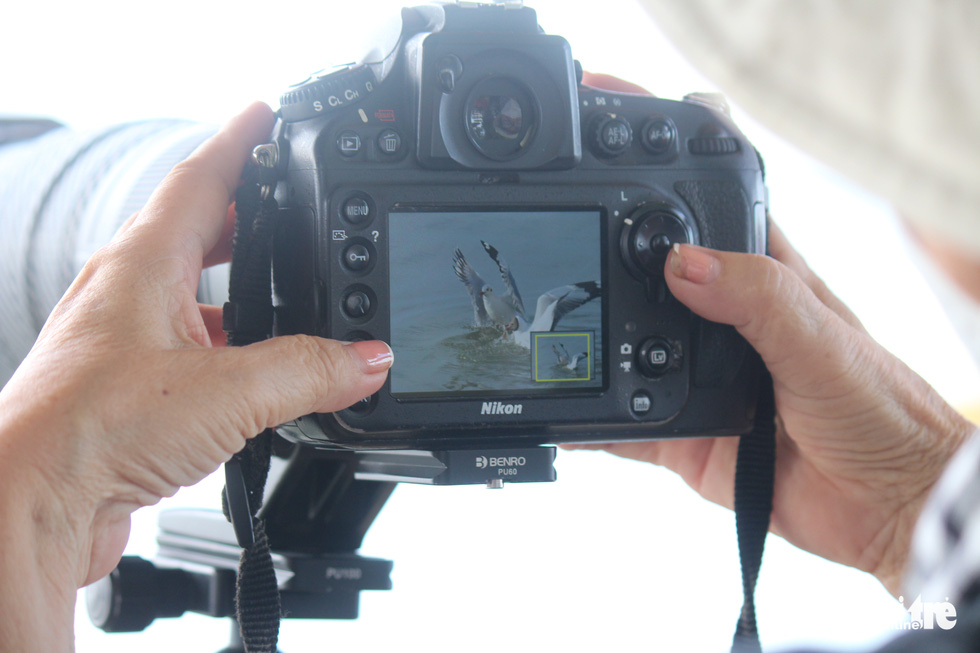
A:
(371, 356)
(695, 264)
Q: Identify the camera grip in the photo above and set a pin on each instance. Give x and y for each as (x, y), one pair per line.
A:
(721, 212)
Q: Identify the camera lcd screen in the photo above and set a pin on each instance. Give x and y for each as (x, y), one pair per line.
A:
(495, 302)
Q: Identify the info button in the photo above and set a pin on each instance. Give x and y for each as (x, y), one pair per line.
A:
(640, 403)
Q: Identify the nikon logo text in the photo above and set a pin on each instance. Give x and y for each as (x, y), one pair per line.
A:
(497, 408)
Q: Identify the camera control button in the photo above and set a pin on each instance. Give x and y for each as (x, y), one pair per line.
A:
(389, 142)
(646, 240)
(348, 143)
(658, 135)
(357, 304)
(363, 406)
(655, 357)
(357, 257)
(450, 68)
(611, 135)
(641, 403)
(356, 210)
(713, 146)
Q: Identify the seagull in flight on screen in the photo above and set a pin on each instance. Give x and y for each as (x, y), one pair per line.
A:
(565, 361)
(491, 308)
(506, 310)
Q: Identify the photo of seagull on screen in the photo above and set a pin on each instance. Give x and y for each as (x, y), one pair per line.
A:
(566, 362)
(505, 310)
(478, 299)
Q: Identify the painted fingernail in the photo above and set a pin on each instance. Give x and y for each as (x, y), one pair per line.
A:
(695, 264)
(371, 356)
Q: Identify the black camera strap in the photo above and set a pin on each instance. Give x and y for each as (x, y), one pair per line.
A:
(754, 480)
(247, 318)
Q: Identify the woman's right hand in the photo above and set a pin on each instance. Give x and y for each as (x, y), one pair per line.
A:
(861, 438)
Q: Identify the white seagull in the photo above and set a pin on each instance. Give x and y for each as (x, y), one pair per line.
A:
(564, 361)
(507, 311)
(489, 308)
(501, 311)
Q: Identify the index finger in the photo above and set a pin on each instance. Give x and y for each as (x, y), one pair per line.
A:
(186, 213)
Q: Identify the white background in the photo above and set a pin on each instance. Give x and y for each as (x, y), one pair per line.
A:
(617, 555)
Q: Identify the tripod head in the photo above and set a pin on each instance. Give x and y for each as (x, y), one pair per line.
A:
(319, 506)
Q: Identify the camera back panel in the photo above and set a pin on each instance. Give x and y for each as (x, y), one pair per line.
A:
(523, 293)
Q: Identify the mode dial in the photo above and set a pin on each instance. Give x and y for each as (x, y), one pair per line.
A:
(319, 95)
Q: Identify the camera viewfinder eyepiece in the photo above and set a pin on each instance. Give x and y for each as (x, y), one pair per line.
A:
(501, 118)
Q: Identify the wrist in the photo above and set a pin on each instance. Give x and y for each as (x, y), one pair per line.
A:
(939, 431)
(38, 559)
(46, 467)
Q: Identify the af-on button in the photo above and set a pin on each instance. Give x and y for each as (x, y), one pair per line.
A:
(659, 135)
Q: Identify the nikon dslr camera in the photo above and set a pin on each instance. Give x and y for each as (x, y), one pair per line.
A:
(505, 228)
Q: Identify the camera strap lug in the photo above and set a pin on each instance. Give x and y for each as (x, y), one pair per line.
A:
(266, 157)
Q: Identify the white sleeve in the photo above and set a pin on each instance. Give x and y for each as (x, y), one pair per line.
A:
(944, 564)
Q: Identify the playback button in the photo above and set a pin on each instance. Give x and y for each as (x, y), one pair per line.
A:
(349, 143)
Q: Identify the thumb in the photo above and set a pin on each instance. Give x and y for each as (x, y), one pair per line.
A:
(805, 344)
(286, 377)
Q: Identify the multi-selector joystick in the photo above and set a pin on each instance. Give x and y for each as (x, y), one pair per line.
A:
(647, 237)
